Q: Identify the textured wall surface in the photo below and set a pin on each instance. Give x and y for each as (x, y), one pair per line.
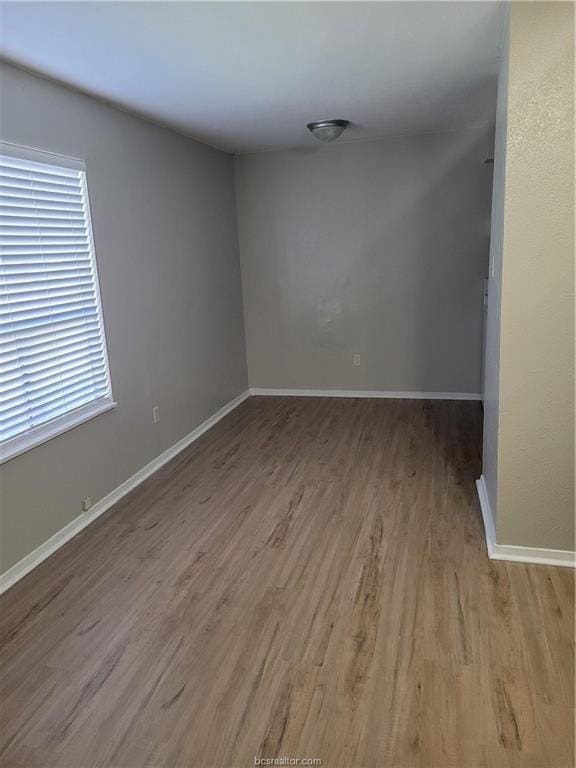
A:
(535, 505)
(377, 249)
(164, 220)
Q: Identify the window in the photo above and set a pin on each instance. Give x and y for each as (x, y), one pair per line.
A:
(53, 359)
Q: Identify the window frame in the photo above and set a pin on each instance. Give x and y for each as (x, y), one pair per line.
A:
(31, 438)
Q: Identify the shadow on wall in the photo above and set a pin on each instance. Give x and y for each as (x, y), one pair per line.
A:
(443, 225)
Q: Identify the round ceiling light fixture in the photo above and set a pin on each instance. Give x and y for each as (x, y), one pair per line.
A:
(328, 130)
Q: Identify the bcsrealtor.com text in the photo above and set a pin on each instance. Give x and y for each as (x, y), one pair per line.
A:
(285, 760)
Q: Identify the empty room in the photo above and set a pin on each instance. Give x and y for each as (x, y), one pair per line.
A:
(287, 384)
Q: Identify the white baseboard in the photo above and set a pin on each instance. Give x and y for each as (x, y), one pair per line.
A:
(28, 563)
(487, 516)
(562, 557)
(513, 553)
(365, 393)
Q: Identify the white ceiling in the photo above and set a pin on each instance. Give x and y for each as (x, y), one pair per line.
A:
(248, 76)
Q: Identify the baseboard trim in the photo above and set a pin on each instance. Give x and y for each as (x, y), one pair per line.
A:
(559, 557)
(487, 516)
(271, 392)
(516, 554)
(41, 553)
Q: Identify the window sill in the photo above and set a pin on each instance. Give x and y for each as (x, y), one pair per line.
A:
(22, 443)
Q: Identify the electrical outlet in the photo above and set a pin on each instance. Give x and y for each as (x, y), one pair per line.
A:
(356, 359)
(86, 503)
(156, 414)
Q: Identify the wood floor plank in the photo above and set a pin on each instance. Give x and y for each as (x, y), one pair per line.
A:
(309, 579)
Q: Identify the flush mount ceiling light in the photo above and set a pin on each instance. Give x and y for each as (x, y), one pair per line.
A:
(328, 130)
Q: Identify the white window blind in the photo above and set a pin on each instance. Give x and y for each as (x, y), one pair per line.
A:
(54, 367)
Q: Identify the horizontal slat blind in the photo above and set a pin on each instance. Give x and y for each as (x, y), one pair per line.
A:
(52, 348)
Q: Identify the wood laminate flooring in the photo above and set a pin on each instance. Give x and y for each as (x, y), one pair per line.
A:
(308, 580)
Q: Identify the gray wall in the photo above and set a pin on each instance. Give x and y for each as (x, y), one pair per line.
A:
(164, 220)
(375, 248)
(492, 354)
